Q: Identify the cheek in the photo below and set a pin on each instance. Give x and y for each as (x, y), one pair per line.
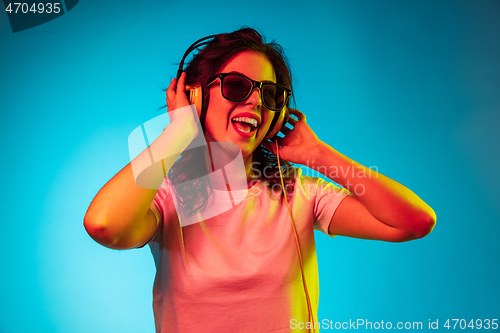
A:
(217, 115)
(268, 118)
(214, 125)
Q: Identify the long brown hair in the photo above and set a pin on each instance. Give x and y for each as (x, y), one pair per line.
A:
(187, 172)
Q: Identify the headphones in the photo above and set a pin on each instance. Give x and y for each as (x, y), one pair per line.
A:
(196, 91)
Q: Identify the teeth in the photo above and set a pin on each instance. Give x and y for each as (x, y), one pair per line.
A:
(250, 121)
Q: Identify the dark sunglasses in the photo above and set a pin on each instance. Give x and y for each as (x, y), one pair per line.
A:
(237, 88)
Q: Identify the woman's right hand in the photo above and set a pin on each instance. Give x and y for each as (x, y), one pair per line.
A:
(176, 96)
(119, 217)
(178, 106)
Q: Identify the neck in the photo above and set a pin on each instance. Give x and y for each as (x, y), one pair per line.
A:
(251, 172)
(221, 158)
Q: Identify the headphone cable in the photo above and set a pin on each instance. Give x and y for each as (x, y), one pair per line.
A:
(311, 315)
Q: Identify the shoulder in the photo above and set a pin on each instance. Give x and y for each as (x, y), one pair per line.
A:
(305, 182)
(163, 202)
(164, 191)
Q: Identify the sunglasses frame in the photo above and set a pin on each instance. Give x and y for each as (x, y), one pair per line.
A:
(259, 85)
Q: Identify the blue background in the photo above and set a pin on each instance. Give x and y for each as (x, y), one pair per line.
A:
(411, 87)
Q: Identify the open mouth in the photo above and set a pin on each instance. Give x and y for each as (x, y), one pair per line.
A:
(245, 124)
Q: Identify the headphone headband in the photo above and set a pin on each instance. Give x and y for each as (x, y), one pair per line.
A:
(194, 46)
(196, 93)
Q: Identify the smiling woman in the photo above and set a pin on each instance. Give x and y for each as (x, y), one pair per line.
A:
(252, 267)
(226, 121)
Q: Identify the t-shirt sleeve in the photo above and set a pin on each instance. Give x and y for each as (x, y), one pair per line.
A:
(155, 208)
(158, 207)
(320, 198)
(328, 198)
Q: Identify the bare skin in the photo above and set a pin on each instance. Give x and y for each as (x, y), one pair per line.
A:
(382, 209)
(119, 216)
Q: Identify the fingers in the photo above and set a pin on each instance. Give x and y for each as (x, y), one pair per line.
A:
(271, 145)
(292, 121)
(268, 145)
(176, 96)
(300, 116)
(181, 86)
(171, 91)
(285, 130)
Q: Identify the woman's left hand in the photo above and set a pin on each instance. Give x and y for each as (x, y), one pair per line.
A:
(299, 142)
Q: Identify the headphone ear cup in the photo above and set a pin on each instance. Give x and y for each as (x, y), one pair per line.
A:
(282, 120)
(195, 96)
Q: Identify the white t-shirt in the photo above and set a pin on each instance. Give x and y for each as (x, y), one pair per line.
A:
(239, 271)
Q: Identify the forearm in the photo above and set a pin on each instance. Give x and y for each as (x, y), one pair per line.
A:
(387, 200)
(116, 216)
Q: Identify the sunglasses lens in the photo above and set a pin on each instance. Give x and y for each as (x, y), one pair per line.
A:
(273, 96)
(236, 87)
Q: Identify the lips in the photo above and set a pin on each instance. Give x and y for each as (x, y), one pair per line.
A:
(245, 123)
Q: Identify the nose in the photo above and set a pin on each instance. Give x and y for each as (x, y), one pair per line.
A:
(255, 98)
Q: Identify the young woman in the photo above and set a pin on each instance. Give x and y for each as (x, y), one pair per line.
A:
(253, 267)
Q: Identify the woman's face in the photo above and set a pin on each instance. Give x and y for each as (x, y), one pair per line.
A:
(224, 120)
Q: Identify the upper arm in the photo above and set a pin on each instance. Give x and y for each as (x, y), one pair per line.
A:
(146, 229)
(352, 219)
